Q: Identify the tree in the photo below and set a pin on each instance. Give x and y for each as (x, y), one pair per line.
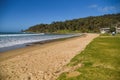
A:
(88, 24)
(112, 29)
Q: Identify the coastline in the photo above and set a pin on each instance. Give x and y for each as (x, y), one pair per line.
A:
(40, 61)
(9, 48)
(11, 51)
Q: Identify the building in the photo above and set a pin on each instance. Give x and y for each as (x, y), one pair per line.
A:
(118, 28)
(107, 29)
(104, 30)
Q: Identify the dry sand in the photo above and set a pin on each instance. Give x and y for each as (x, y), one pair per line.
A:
(42, 62)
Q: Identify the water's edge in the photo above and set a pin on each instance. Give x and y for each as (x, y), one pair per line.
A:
(34, 43)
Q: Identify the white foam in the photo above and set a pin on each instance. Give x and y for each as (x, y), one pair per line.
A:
(15, 39)
(4, 35)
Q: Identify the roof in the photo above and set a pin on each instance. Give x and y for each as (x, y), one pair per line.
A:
(105, 28)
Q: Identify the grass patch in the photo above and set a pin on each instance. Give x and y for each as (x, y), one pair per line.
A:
(100, 60)
(108, 34)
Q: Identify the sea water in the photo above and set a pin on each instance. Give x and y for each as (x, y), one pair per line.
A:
(17, 39)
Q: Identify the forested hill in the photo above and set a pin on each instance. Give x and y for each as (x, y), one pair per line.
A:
(88, 24)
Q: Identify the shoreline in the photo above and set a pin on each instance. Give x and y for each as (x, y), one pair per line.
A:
(9, 48)
(42, 62)
(6, 54)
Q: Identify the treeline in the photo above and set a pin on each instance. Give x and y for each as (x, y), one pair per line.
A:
(88, 24)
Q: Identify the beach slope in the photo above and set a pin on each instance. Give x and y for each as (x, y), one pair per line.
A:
(42, 62)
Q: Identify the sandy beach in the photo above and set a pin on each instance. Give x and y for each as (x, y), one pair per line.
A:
(41, 62)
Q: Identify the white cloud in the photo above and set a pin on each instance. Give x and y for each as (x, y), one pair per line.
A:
(105, 8)
(93, 6)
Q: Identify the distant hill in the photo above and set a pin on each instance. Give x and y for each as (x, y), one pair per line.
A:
(87, 24)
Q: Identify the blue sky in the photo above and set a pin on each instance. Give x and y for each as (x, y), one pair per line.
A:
(21, 14)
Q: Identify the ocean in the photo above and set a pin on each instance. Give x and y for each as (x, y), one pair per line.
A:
(9, 41)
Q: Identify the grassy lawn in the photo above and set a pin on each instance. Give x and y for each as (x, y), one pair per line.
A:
(100, 60)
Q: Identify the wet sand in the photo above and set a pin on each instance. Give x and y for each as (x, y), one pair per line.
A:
(41, 62)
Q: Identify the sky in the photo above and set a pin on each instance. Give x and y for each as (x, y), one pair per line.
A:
(16, 15)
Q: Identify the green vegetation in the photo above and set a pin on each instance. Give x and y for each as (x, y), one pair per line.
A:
(112, 29)
(109, 35)
(100, 60)
(88, 24)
